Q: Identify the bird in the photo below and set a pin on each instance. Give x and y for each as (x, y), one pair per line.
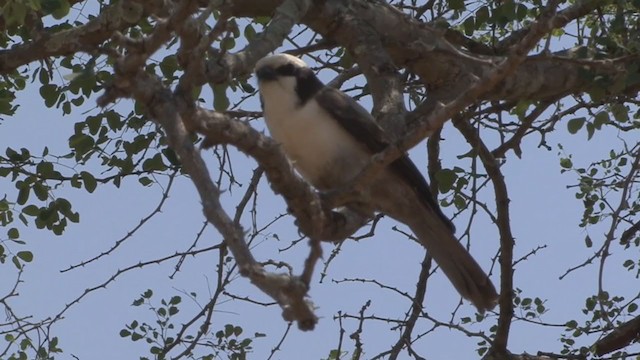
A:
(329, 138)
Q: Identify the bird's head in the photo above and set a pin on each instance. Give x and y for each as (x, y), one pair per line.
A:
(282, 75)
(275, 67)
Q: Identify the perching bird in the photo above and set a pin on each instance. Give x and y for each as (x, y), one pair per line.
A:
(329, 138)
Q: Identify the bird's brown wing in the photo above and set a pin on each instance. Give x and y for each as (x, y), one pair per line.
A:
(361, 125)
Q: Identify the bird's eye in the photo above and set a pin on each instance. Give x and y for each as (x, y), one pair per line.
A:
(286, 70)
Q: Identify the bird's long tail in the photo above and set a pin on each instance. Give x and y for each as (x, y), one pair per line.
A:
(457, 264)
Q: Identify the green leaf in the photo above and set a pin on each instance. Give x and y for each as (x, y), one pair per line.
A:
(113, 120)
(446, 178)
(94, 122)
(13, 233)
(237, 331)
(41, 191)
(228, 43)
(154, 164)
(31, 210)
(169, 66)
(16, 262)
(220, 99)
(171, 156)
(456, 4)
(575, 124)
(632, 308)
(521, 12)
(588, 242)
(45, 168)
(620, 112)
(249, 32)
(62, 9)
(89, 181)
(14, 12)
(571, 324)
(469, 25)
(23, 194)
(25, 256)
(13, 155)
(145, 181)
(566, 163)
(228, 330)
(81, 143)
(50, 94)
(600, 119)
(125, 333)
(482, 15)
(590, 130)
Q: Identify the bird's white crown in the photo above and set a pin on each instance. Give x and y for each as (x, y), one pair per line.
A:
(277, 60)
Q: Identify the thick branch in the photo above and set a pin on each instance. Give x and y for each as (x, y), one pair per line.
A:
(622, 336)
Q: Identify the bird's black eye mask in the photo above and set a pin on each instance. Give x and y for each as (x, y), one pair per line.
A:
(307, 84)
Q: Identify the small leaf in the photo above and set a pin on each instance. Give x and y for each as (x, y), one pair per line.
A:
(50, 94)
(220, 99)
(41, 191)
(566, 163)
(456, 4)
(23, 194)
(249, 32)
(169, 66)
(81, 143)
(25, 256)
(89, 181)
(145, 181)
(521, 12)
(175, 300)
(154, 164)
(61, 10)
(469, 25)
(446, 178)
(16, 262)
(588, 242)
(13, 233)
(482, 15)
(31, 210)
(228, 330)
(591, 129)
(620, 112)
(171, 156)
(575, 124)
(237, 331)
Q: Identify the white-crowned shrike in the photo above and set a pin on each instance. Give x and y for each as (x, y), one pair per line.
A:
(329, 138)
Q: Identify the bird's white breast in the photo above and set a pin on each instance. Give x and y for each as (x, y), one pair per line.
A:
(319, 148)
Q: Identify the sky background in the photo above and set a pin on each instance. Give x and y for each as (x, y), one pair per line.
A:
(543, 212)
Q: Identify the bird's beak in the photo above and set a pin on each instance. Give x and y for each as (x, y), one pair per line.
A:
(266, 73)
